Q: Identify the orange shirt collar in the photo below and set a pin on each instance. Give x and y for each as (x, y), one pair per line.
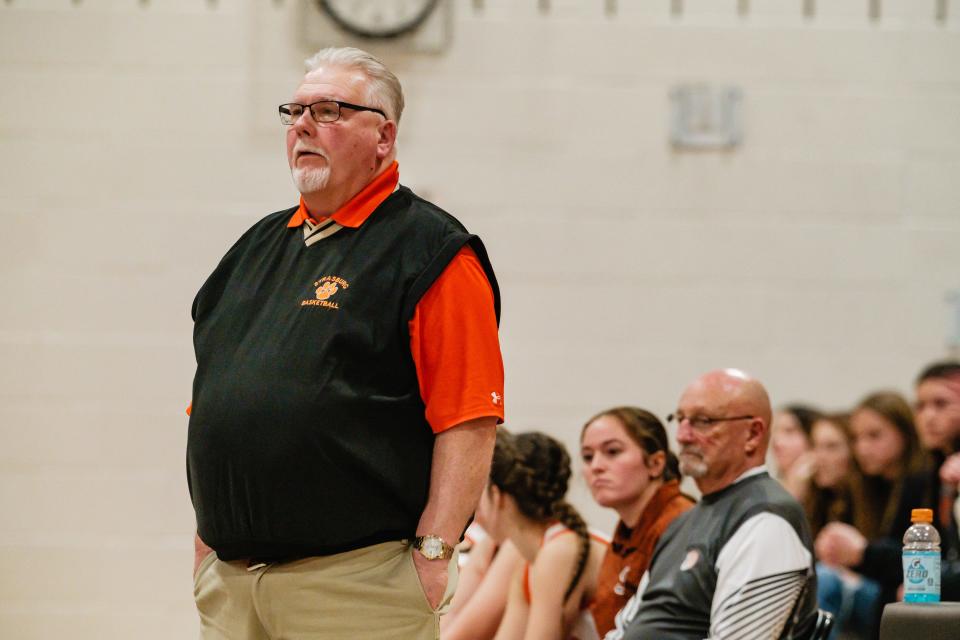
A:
(357, 209)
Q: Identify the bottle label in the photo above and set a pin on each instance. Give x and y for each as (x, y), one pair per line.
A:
(921, 576)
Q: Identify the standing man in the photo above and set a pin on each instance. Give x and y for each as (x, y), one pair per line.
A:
(348, 387)
(740, 563)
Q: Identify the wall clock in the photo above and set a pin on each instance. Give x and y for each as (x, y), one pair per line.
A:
(378, 18)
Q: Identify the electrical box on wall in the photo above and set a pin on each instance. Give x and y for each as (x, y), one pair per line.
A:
(415, 26)
(705, 117)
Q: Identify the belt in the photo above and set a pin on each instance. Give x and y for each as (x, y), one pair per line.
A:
(258, 563)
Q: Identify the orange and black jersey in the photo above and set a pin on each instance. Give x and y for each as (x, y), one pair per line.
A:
(326, 364)
(454, 323)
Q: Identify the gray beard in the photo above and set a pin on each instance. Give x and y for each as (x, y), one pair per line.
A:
(692, 466)
(311, 180)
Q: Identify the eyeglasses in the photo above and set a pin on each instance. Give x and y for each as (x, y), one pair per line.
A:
(702, 423)
(323, 111)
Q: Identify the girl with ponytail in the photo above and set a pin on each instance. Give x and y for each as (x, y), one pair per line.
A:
(629, 468)
(524, 502)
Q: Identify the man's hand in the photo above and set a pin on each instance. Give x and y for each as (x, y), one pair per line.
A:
(433, 577)
(840, 544)
(458, 474)
(200, 551)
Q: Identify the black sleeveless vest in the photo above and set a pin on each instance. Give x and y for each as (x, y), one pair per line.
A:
(307, 432)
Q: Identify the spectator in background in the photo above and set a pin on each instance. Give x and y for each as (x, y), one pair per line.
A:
(790, 445)
(888, 452)
(629, 467)
(828, 497)
(938, 423)
(525, 503)
(740, 562)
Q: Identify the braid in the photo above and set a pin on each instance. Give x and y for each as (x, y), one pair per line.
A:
(566, 514)
(535, 470)
(544, 468)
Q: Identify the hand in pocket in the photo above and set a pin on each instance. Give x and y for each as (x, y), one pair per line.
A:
(433, 578)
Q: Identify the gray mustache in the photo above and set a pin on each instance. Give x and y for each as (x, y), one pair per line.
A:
(298, 149)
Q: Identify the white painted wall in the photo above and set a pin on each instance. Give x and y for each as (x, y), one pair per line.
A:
(138, 139)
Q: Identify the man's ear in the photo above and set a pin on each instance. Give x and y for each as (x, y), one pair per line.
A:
(755, 434)
(387, 140)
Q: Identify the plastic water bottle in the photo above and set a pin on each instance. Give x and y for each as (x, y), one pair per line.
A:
(921, 559)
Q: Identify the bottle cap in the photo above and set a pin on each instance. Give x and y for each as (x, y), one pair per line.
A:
(921, 515)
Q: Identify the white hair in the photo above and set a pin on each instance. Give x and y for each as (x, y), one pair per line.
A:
(384, 89)
(311, 180)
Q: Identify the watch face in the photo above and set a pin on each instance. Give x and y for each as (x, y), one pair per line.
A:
(432, 548)
(378, 18)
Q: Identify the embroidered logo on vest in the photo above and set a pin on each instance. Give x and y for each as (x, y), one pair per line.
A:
(691, 560)
(326, 288)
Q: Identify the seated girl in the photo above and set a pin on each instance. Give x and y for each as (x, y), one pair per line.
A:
(894, 481)
(834, 474)
(524, 502)
(829, 497)
(629, 468)
(791, 448)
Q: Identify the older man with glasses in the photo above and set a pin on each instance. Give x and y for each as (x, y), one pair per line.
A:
(740, 563)
(348, 387)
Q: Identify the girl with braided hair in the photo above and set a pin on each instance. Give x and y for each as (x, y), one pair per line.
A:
(524, 502)
(629, 468)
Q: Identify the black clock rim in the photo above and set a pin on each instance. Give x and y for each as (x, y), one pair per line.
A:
(394, 32)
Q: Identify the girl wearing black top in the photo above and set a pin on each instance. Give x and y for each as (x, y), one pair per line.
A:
(888, 452)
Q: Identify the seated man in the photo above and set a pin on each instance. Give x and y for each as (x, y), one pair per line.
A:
(740, 563)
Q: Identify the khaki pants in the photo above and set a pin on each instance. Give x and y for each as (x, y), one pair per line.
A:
(373, 592)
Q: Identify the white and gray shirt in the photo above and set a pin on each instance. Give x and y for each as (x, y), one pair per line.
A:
(739, 565)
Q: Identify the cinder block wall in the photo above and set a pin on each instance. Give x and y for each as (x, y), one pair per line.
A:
(138, 139)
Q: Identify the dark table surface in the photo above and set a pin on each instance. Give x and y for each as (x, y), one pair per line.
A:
(934, 621)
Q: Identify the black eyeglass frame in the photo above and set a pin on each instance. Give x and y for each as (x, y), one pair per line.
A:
(702, 423)
(309, 107)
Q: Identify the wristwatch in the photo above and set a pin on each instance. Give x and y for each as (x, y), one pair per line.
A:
(432, 547)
